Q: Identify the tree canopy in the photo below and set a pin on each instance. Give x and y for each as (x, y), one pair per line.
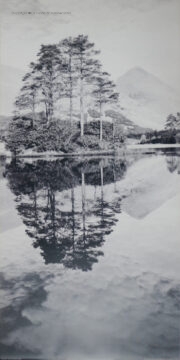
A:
(58, 87)
(173, 122)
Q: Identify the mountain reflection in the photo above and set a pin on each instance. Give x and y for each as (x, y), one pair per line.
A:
(62, 206)
(173, 162)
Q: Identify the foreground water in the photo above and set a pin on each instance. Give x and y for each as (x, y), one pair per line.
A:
(89, 258)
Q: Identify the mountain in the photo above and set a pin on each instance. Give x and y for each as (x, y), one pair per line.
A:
(130, 127)
(10, 85)
(145, 99)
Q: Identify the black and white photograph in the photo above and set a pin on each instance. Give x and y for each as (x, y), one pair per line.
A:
(90, 179)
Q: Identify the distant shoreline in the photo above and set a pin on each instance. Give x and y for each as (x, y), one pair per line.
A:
(121, 151)
(152, 146)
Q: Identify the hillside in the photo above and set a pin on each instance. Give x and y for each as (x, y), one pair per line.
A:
(130, 127)
(145, 99)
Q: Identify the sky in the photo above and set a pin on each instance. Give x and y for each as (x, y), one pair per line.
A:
(129, 33)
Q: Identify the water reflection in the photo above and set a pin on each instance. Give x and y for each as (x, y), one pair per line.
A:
(116, 217)
(28, 292)
(173, 162)
(67, 225)
(51, 199)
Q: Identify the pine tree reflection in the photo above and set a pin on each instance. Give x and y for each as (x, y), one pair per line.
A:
(68, 227)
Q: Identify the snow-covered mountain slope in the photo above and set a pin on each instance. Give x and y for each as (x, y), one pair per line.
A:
(145, 99)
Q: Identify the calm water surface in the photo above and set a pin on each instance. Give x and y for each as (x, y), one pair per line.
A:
(90, 258)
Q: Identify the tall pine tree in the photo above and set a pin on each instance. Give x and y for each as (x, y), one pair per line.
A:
(69, 72)
(104, 93)
(28, 97)
(47, 70)
(171, 122)
(86, 66)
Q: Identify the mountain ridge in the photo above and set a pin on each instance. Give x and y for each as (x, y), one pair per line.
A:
(145, 99)
(145, 72)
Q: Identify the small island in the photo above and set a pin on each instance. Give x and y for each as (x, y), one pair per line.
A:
(69, 105)
(63, 88)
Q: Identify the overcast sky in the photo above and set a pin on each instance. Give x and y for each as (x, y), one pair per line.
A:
(129, 33)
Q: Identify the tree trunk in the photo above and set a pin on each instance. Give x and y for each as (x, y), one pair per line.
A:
(52, 211)
(101, 120)
(71, 88)
(47, 114)
(33, 112)
(51, 104)
(71, 107)
(81, 108)
(113, 126)
(51, 108)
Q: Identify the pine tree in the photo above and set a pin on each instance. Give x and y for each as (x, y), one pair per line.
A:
(69, 72)
(171, 122)
(104, 93)
(47, 70)
(178, 120)
(86, 66)
(28, 97)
